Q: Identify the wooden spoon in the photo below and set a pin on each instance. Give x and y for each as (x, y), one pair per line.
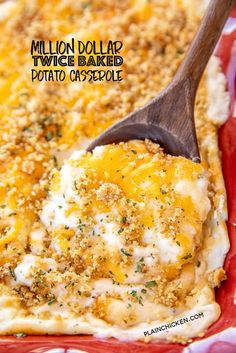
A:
(168, 119)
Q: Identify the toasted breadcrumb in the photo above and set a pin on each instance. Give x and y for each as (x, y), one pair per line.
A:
(108, 192)
(216, 277)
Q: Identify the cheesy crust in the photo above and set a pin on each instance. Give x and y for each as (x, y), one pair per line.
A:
(116, 242)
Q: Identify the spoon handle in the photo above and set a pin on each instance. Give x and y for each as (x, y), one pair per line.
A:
(204, 42)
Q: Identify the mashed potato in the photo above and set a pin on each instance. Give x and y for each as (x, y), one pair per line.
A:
(126, 235)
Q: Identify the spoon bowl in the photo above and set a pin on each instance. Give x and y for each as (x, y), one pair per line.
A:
(151, 122)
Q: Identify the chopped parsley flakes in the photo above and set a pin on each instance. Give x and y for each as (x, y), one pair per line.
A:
(140, 265)
(125, 252)
(150, 284)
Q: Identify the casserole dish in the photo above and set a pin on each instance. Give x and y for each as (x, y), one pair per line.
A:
(221, 335)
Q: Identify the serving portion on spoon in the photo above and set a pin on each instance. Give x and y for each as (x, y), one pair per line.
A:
(168, 119)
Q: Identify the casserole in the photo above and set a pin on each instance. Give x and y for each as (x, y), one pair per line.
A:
(26, 339)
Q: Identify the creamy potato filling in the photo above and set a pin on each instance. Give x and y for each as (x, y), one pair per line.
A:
(131, 214)
(120, 241)
(124, 233)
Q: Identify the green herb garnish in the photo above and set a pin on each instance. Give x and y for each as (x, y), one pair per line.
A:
(58, 132)
(140, 265)
(12, 273)
(150, 284)
(186, 257)
(164, 192)
(52, 301)
(134, 294)
(55, 160)
(49, 136)
(124, 219)
(125, 252)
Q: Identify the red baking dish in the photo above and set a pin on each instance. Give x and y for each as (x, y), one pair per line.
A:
(221, 336)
